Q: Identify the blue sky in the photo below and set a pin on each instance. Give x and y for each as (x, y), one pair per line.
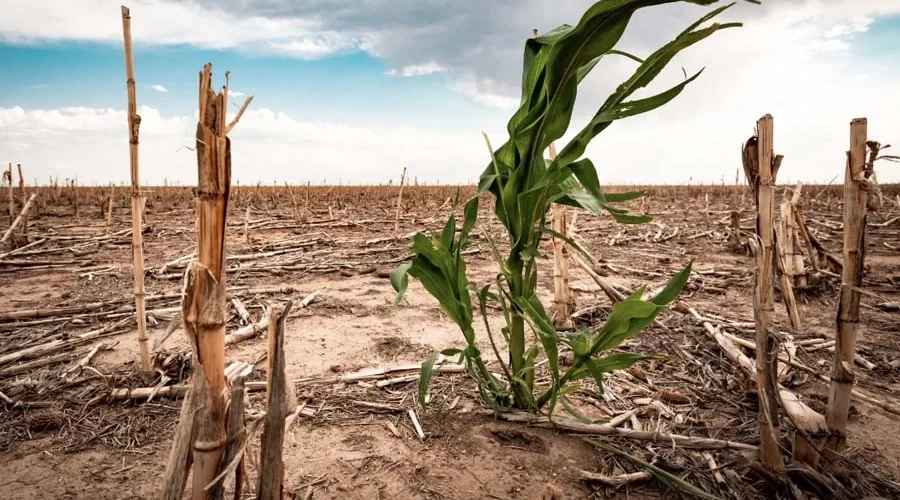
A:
(350, 88)
(355, 90)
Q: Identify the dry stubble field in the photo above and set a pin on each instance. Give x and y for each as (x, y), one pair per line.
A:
(63, 434)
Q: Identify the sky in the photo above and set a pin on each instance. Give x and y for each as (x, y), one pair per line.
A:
(353, 91)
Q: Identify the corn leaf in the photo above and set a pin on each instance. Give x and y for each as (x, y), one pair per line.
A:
(613, 362)
(620, 197)
(425, 377)
(400, 280)
(643, 75)
(674, 287)
(626, 319)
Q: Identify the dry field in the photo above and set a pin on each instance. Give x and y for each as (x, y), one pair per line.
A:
(68, 345)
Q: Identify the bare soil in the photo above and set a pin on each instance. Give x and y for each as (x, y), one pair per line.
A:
(63, 436)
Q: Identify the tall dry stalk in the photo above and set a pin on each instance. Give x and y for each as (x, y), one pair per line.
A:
(793, 253)
(109, 207)
(73, 196)
(23, 197)
(12, 203)
(561, 295)
(734, 235)
(842, 375)
(247, 226)
(790, 257)
(399, 202)
(293, 200)
(137, 202)
(203, 308)
(761, 166)
(307, 197)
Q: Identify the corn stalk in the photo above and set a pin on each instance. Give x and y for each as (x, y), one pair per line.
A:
(842, 372)
(203, 305)
(8, 176)
(762, 174)
(525, 185)
(137, 198)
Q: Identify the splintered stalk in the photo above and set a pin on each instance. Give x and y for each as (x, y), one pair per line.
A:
(842, 371)
(203, 307)
(764, 297)
(271, 466)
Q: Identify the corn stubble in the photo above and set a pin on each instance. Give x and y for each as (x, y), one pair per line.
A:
(203, 417)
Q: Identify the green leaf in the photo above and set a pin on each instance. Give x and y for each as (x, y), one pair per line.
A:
(631, 219)
(626, 54)
(569, 241)
(449, 232)
(637, 294)
(614, 108)
(586, 69)
(546, 332)
(470, 214)
(483, 295)
(424, 378)
(616, 361)
(400, 280)
(622, 197)
(586, 173)
(626, 319)
(673, 287)
(596, 368)
(580, 344)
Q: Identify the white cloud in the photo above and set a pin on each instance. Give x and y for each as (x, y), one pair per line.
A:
(159, 22)
(235, 93)
(485, 91)
(158, 87)
(267, 146)
(858, 24)
(313, 46)
(418, 70)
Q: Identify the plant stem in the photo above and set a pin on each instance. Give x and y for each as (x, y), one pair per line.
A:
(517, 362)
(842, 372)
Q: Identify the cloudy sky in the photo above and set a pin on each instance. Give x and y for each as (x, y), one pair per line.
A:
(354, 90)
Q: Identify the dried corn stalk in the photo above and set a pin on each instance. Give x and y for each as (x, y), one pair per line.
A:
(842, 372)
(203, 307)
(759, 167)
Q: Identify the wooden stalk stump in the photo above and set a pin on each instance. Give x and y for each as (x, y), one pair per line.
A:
(760, 168)
(203, 307)
(271, 473)
(842, 370)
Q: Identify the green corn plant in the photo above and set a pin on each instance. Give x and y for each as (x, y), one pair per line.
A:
(524, 184)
